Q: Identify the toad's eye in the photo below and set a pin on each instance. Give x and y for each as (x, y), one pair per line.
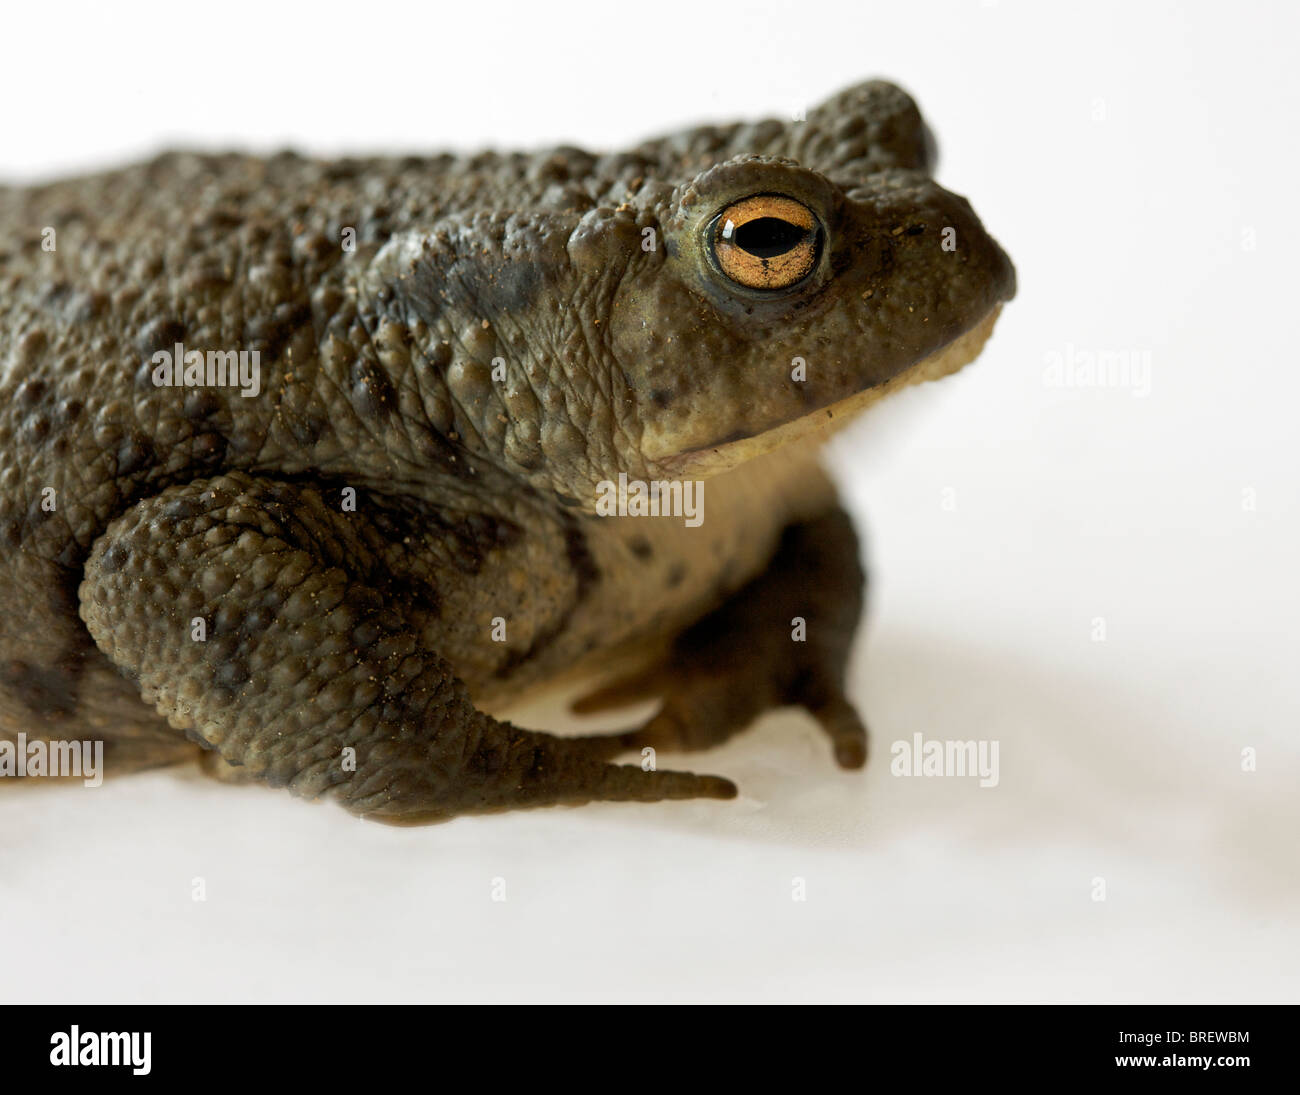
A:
(766, 242)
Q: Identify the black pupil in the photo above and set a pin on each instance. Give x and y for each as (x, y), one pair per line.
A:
(767, 237)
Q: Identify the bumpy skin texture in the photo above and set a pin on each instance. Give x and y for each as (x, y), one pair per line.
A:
(508, 332)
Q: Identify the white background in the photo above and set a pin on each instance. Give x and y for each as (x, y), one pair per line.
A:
(1138, 163)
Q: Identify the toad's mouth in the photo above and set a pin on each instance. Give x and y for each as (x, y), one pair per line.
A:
(715, 459)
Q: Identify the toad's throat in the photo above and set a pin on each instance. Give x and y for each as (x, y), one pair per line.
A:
(817, 425)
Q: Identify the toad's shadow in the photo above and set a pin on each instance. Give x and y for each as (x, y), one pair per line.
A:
(1083, 763)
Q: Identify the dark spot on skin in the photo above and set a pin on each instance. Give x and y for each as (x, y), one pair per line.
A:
(270, 332)
(403, 525)
(31, 392)
(373, 394)
(69, 555)
(57, 294)
(328, 302)
(529, 459)
(67, 215)
(209, 450)
(65, 599)
(472, 537)
(641, 547)
(32, 345)
(200, 403)
(367, 633)
(37, 514)
(340, 170)
(362, 603)
(222, 217)
(183, 508)
(204, 278)
(490, 531)
(317, 247)
(84, 307)
(440, 355)
(115, 558)
(70, 409)
(421, 292)
(35, 431)
(159, 334)
(661, 397)
(514, 287)
(280, 494)
(474, 284)
(436, 452)
(257, 620)
(484, 762)
(676, 575)
(135, 453)
(583, 564)
(418, 597)
(231, 674)
(305, 429)
(586, 573)
(554, 168)
(46, 691)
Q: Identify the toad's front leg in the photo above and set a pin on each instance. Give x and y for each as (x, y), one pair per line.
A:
(783, 639)
(266, 626)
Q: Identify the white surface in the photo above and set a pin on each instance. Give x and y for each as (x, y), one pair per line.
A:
(1119, 759)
